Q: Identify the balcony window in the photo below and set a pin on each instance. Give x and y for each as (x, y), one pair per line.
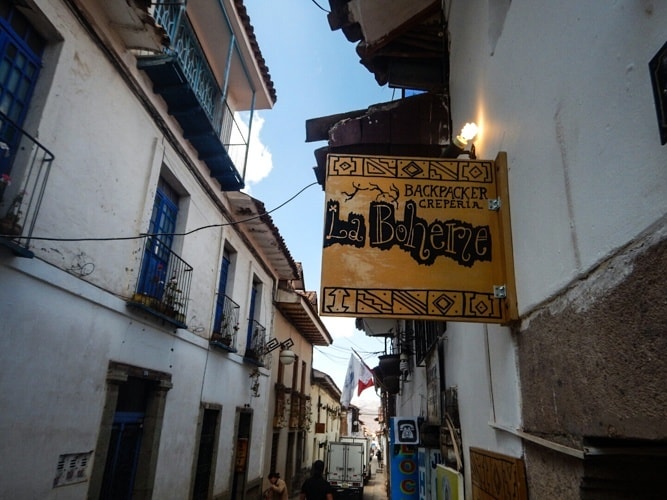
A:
(256, 343)
(21, 48)
(226, 322)
(222, 318)
(22, 189)
(164, 281)
(24, 163)
(426, 335)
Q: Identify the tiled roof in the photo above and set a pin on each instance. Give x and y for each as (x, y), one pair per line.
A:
(250, 31)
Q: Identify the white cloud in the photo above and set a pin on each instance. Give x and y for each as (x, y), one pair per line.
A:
(260, 161)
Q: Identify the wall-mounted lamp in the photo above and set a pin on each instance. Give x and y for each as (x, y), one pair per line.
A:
(287, 356)
(458, 145)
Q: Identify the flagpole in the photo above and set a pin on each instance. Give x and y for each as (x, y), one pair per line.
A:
(375, 378)
(362, 361)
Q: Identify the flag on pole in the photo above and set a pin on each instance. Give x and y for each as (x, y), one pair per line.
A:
(358, 377)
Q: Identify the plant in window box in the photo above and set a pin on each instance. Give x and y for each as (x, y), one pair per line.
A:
(171, 298)
(223, 335)
(9, 224)
(222, 338)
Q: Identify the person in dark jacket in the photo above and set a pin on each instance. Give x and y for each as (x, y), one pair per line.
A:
(316, 487)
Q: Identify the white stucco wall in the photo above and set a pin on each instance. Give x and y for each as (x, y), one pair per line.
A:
(480, 362)
(61, 328)
(564, 88)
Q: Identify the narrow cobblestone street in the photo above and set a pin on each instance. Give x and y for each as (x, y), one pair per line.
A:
(376, 489)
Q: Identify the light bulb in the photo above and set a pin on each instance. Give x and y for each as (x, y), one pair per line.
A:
(469, 131)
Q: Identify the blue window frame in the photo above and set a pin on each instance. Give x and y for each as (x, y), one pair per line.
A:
(21, 49)
(222, 290)
(158, 246)
(251, 312)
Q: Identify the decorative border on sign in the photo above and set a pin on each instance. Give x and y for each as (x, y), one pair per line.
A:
(401, 303)
(478, 171)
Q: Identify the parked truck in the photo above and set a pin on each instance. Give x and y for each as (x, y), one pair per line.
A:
(345, 469)
(366, 442)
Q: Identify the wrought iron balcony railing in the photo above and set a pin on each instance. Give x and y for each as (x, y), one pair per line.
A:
(280, 417)
(224, 335)
(255, 351)
(163, 287)
(24, 170)
(305, 413)
(295, 410)
(182, 75)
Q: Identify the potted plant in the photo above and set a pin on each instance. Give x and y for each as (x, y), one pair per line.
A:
(222, 338)
(9, 224)
(171, 298)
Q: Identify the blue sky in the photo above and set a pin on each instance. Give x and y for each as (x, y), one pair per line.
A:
(316, 72)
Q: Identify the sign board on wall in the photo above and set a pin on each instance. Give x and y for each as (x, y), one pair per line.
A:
(402, 458)
(449, 484)
(421, 238)
(428, 459)
(496, 476)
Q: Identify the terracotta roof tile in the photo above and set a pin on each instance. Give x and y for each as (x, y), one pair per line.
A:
(250, 31)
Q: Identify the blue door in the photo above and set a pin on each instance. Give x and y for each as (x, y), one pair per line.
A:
(222, 290)
(155, 264)
(122, 456)
(21, 48)
(250, 342)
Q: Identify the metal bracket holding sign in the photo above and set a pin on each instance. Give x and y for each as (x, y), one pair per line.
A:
(420, 238)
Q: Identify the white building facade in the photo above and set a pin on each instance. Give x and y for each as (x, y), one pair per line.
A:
(292, 408)
(136, 298)
(327, 415)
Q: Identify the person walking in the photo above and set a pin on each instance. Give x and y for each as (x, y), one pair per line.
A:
(278, 488)
(316, 487)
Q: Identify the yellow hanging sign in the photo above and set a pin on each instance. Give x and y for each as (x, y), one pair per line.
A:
(420, 238)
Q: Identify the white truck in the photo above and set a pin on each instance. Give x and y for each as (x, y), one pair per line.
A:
(345, 469)
(367, 452)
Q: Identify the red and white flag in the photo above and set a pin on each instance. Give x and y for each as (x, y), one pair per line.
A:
(358, 377)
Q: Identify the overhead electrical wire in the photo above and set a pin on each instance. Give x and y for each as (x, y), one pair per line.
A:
(321, 8)
(148, 235)
(347, 350)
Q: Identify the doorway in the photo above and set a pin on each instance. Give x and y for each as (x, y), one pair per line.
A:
(126, 434)
(241, 453)
(128, 441)
(208, 446)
